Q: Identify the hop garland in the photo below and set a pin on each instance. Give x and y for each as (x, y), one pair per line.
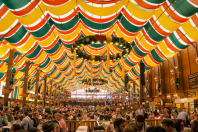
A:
(88, 40)
(95, 81)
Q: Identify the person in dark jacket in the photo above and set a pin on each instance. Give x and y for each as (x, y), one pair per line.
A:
(1, 107)
(17, 108)
(34, 121)
(28, 108)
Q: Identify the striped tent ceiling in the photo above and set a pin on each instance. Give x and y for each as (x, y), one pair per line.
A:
(43, 32)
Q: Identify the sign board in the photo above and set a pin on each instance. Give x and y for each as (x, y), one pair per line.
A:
(193, 80)
(179, 101)
(188, 100)
(184, 100)
(152, 103)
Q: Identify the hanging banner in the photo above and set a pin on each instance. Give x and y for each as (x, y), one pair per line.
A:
(184, 100)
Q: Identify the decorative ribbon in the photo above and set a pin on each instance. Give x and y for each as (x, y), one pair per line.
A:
(108, 58)
(123, 72)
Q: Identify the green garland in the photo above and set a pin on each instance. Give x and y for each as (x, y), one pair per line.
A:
(95, 81)
(91, 40)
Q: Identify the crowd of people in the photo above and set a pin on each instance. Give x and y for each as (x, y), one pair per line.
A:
(54, 119)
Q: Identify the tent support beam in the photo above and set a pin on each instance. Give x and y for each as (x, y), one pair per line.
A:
(9, 72)
(25, 83)
(36, 88)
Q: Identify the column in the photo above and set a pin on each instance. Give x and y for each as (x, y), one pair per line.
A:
(59, 96)
(44, 90)
(150, 85)
(36, 88)
(180, 68)
(50, 96)
(55, 95)
(141, 93)
(133, 90)
(25, 94)
(129, 96)
(163, 97)
(9, 71)
(65, 95)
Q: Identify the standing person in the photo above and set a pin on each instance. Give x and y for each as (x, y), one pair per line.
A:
(59, 118)
(23, 109)
(176, 110)
(17, 108)
(183, 115)
(164, 111)
(1, 107)
(25, 121)
(139, 111)
(8, 117)
(28, 108)
(168, 125)
(34, 121)
(156, 111)
(117, 115)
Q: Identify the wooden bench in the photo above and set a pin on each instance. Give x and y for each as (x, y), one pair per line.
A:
(72, 126)
(150, 122)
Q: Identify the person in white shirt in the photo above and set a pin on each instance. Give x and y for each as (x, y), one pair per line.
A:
(139, 111)
(183, 115)
(117, 115)
(25, 121)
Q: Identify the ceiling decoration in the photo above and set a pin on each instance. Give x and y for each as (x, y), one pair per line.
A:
(43, 32)
(95, 47)
(94, 82)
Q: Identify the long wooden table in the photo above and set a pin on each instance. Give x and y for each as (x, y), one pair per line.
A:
(72, 125)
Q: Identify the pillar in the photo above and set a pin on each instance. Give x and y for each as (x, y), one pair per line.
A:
(180, 68)
(36, 88)
(50, 96)
(133, 90)
(9, 71)
(44, 90)
(55, 95)
(150, 85)
(141, 93)
(162, 96)
(25, 94)
(58, 96)
(65, 95)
